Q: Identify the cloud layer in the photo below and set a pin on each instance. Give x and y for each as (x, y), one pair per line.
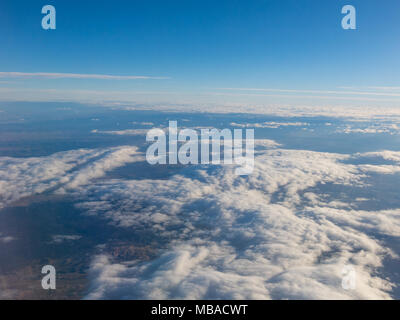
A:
(259, 237)
(275, 234)
(21, 177)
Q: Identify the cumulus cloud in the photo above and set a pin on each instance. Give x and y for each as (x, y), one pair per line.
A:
(269, 124)
(254, 237)
(21, 177)
(389, 128)
(271, 235)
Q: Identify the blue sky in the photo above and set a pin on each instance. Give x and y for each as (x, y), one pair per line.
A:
(203, 47)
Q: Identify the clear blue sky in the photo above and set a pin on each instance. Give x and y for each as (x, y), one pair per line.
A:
(202, 46)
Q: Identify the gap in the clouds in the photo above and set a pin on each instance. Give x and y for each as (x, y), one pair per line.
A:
(375, 192)
(391, 268)
(35, 221)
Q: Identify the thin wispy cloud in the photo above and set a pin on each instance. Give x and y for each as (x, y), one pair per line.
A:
(370, 93)
(396, 97)
(379, 88)
(50, 75)
(385, 88)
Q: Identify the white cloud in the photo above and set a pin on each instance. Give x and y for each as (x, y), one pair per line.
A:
(267, 235)
(270, 124)
(386, 155)
(379, 127)
(60, 238)
(246, 238)
(51, 75)
(143, 123)
(6, 239)
(281, 105)
(127, 132)
(334, 92)
(21, 177)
